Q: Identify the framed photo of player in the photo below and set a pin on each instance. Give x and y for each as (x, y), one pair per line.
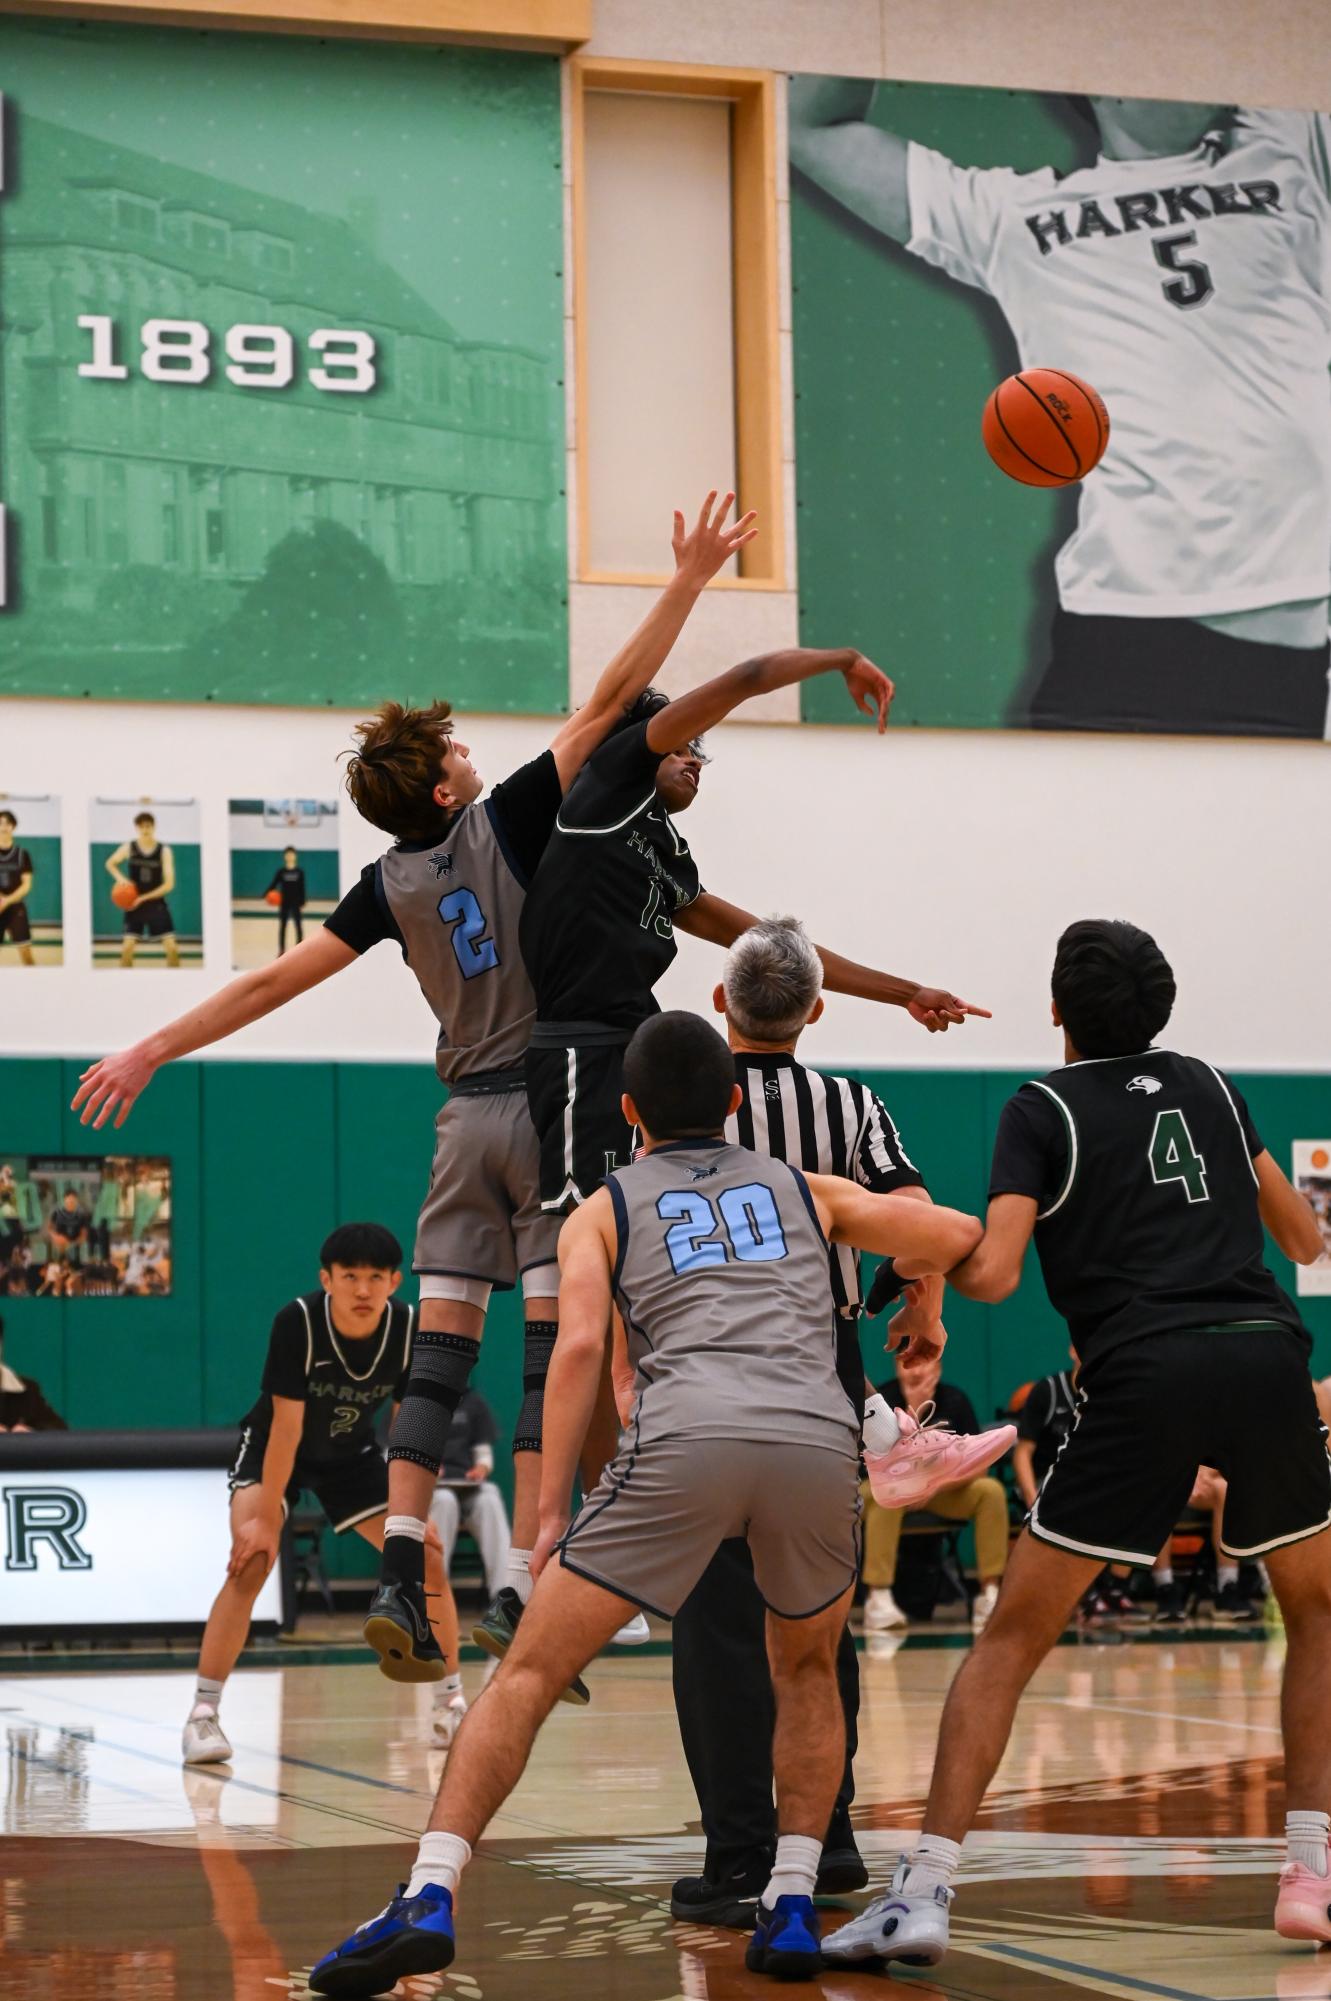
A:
(32, 931)
(284, 874)
(1172, 255)
(84, 1226)
(1311, 1175)
(147, 883)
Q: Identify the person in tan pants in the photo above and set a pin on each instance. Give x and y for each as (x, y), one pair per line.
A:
(982, 1501)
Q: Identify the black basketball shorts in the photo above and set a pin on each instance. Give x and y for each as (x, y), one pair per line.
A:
(14, 923)
(1238, 1397)
(149, 920)
(349, 1490)
(583, 1135)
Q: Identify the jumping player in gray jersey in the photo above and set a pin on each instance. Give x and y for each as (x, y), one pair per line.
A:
(449, 893)
(718, 1259)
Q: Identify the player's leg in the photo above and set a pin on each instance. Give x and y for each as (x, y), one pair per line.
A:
(203, 1742)
(170, 948)
(450, 1705)
(20, 930)
(130, 932)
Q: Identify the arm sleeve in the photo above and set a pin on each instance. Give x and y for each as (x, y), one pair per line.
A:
(881, 1161)
(284, 1372)
(1034, 1413)
(955, 213)
(523, 811)
(1252, 1139)
(1031, 1150)
(615, 782)
(360, 919)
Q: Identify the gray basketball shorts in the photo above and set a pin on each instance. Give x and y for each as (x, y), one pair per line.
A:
(482, 1217)
(654, 1522)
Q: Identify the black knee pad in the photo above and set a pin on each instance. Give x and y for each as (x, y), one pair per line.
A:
(537, 1348)
(440, 1367)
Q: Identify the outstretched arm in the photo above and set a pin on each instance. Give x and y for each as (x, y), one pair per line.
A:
(576, 1364)
(919, 1237)
(113, 1084)
(861, 167)
(674, 727)
(699, 555)
(993, 1270)
(721, 923)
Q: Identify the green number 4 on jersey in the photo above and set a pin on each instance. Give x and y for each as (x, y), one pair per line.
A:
(1173, 1156)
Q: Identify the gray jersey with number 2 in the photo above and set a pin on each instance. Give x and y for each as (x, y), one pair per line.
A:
(722, 1279)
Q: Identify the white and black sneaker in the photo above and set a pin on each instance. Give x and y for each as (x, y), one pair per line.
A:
(911, 1929)
(203, 1740)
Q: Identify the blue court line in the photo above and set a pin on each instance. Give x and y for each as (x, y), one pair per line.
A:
(1101, 1973)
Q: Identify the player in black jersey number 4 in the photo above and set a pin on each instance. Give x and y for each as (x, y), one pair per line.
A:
(1141, 1178)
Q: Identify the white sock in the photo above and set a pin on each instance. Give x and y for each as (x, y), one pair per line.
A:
(519, 1573)
(410, 1526)
(795, 1870)
(207, 1694)
(1164, 1573)
(1307, 1834)
(441, 1858)
(1226, 1573)
(445, 1690)
(934, 1864)
(881, 1430)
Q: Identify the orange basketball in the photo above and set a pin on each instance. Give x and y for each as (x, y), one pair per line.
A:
(124, 895)
(273, 896)
(1045, 427)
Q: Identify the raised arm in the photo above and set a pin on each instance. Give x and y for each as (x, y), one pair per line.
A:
(721, 923)
(676, 726)
(700, 553)
(862, 168)
(575, 1366)
(113, 1084)
(993, 1271)
(919, 1237)
(1287, 1215)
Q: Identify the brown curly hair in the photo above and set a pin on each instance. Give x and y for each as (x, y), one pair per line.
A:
(391, 776)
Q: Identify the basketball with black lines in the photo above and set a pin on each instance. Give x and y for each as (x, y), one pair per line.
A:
(1045, 427)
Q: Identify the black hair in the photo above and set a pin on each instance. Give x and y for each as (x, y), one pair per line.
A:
(680, 1074)
(1112, 985)
(641, 709)
(7, 813)
(361, 1244)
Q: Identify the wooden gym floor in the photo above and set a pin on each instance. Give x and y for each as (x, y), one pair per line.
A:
(1129, 1847)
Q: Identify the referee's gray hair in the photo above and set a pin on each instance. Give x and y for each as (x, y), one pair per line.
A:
(771, 980)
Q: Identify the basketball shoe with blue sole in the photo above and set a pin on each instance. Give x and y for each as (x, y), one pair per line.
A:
(911, 1929)
(785, 1940)
(413, 1935)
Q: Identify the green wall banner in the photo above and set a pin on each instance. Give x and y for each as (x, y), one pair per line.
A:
(280, 370)
(1173, 256)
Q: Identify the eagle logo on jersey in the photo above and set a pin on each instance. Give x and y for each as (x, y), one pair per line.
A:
(442, 865)
(1148, 1084)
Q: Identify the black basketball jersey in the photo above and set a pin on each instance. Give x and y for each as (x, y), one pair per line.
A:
(145, 871)
(15, 863)
(290, 886)
(1148, 1217)
(597, 929)
(343, 1382)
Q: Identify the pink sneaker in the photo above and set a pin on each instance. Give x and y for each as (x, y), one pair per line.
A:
(1303, 1908)
(928, 1457)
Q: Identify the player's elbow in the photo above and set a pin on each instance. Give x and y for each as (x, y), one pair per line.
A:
(1305, 1244)
(961, 1235)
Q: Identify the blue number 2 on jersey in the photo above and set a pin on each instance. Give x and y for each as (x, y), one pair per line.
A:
(747, 1228)
(474, 952)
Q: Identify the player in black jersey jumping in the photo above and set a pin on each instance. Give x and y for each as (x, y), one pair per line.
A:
(149, 868)
(1142, 1180)
(16, 873)
(336, 1357)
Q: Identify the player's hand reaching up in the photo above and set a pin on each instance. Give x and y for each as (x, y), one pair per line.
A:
(112, 1085)
(938, 1010)
(870, 689)
(709, 544)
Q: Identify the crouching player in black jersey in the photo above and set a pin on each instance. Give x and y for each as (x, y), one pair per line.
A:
(336, 1356)
(1142, 1180)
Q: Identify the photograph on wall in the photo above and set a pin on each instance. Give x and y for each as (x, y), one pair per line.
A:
(281, 361)
(284, 874)
(1311, 1175)
(147, 883)
(1173, 256)
(32, 931)
(84, 1226)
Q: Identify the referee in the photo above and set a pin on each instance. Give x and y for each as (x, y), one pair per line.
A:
(723, 1692)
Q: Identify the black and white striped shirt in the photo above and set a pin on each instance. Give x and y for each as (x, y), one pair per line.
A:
(824, 1125)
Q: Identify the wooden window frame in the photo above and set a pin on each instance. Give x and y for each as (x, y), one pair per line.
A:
(758, 454)
(551, 26)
